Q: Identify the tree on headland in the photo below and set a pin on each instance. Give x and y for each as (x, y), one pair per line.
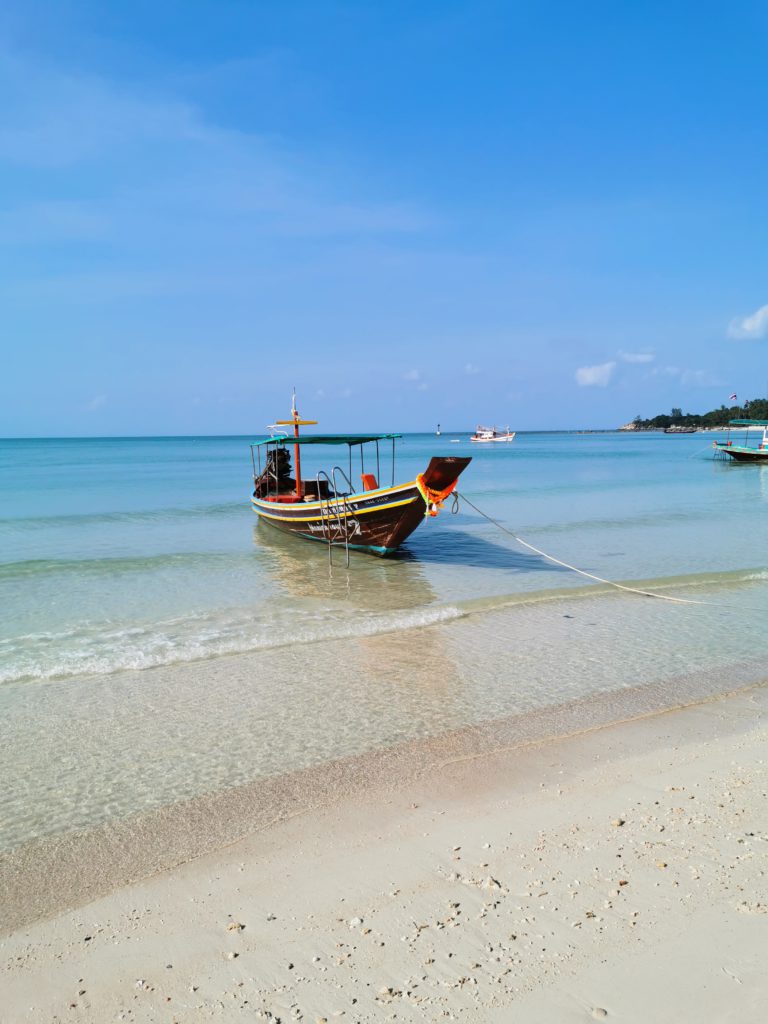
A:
(755, 409)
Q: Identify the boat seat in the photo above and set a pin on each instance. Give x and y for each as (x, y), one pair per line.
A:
(369, 482)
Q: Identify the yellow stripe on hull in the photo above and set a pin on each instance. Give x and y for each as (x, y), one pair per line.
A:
(334, 514)
(361, 495)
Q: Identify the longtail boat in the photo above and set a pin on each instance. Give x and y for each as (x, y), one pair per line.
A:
(756, 452)
(329, 507)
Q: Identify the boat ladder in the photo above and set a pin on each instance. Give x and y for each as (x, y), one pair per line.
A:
(337, 520)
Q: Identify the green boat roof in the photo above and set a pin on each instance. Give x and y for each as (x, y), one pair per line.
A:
(748, 423)
(325, 439)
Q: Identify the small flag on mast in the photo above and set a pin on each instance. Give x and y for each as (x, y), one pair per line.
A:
(733, 397)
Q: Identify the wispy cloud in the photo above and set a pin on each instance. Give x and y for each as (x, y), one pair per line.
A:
(32, 223)
(595, 376)
(688, 378)
(154, 182)
(637, 357)
(750, 328)
(471, 370)
(700, 379)
(412, 375)
(58, 119)
(98, 402)
(664, 371)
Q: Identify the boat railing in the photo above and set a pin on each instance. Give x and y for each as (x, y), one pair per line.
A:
(335, 514)
(323, 478)
(344, 477)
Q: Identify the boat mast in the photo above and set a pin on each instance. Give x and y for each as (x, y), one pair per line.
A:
(296, 456)
(295, 421)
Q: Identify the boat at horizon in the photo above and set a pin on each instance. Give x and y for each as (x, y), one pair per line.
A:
(491, 434)
(744, 452)
(329, 508)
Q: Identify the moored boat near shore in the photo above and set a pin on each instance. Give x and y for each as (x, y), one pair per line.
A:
(744, 452)
(329, 508)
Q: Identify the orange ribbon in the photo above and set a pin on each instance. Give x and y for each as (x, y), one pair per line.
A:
(433, 499)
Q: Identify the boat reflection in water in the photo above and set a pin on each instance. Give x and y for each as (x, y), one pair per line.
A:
(375, 585)
(386, 608)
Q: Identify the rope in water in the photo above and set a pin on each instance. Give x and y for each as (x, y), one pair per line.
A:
(566, 565)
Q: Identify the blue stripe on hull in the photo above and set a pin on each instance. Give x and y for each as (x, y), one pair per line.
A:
(352, 547)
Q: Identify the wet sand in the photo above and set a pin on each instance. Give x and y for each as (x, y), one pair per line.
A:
(64, 870)
(615, 874)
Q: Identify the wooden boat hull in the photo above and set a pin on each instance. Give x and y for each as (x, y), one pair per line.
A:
(742, 454)
(376, 521)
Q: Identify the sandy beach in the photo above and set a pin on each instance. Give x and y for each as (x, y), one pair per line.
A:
(616, 874)
(317, 705)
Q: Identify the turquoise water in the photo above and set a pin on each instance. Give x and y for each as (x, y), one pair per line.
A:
(156, 642)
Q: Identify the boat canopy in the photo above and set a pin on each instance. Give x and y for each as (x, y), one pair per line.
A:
(349, 439)
(748, 423)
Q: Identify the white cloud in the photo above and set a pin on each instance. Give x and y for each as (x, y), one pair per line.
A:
(595, 376)
(750, 327)
(96, 403)
(412, 375)
(470, 369)
(637, 357)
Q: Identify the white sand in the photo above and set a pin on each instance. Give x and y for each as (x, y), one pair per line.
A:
(616, 875)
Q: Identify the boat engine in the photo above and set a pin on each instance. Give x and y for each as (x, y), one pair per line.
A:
(276, 475)
(279, 464)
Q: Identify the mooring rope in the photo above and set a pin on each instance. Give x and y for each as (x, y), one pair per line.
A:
(695, 455)
(566, 565)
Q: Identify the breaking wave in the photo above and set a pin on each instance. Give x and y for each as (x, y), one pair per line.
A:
(97, 649)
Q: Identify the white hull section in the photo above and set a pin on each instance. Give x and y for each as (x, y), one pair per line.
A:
(503, 439)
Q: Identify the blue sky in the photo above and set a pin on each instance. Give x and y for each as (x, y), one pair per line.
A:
(547, 214)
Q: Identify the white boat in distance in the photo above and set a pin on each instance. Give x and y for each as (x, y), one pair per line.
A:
(487, 434)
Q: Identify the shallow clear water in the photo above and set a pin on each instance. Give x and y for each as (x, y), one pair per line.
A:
(157, 643)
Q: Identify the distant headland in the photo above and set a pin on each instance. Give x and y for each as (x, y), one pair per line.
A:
(755, 409)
